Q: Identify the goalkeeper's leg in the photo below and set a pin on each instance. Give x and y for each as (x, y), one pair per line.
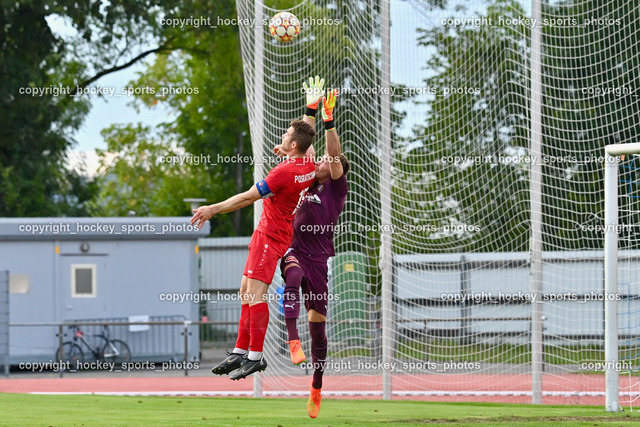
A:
(293, 275)
(316, 304)
(319, 353)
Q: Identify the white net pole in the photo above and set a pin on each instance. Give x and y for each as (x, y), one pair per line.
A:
(536, 204)
(386, 242)
(257, 89)
(257, 129)
(611, 281)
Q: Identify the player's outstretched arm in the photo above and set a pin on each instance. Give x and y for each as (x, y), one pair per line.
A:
(331, 135)
(204, 213)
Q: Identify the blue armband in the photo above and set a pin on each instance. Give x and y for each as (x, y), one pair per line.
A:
(263, 189)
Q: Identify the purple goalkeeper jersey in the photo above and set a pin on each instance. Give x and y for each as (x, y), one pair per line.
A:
(314, 223)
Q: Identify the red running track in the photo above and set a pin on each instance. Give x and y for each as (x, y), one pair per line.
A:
(558, 389)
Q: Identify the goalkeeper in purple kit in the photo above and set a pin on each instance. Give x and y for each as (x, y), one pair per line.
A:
(304, 266)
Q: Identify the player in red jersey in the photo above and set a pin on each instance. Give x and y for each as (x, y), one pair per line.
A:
(283, 190)
(305, 263)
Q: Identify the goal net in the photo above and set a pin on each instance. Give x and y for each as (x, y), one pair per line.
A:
(469, 258)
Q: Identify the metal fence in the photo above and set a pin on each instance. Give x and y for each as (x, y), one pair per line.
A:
(223, 315)
(4, 321)
(158, 339)
(171, 335)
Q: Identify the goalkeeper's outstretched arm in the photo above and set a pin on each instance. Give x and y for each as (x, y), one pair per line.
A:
(331, 135)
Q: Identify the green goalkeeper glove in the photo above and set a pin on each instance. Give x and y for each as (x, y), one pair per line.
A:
(314, 93)
(327, 111)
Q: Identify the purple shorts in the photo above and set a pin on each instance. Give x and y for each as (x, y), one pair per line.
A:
(315, 291)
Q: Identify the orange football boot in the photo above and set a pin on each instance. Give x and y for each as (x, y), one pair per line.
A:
(297, 355)
(313, 405)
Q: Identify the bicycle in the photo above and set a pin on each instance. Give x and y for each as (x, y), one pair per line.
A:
(112, 351)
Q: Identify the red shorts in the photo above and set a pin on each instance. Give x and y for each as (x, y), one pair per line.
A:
(264, 253)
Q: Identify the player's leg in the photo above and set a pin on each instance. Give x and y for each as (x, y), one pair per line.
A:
(259, 309)
(293, 275)
(316, 301)
(317, 324)
(234, 359)
(259, 321)
(242, 343)
(260, 269)
(264, 254)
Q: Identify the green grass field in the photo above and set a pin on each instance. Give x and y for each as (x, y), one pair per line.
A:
(87, 410)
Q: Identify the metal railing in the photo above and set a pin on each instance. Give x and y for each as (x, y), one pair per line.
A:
(186, 324)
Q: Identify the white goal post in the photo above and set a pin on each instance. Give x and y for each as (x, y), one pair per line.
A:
(612, 153)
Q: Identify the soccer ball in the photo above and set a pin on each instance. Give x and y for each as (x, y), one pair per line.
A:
(284, 26)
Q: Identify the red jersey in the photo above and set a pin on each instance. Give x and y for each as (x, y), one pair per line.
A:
(283, 191)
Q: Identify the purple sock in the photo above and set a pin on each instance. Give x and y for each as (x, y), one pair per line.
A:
(292, 329)
(291, 300)
(318, 351)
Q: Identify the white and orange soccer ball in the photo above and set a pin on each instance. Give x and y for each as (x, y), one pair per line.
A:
(284, 26)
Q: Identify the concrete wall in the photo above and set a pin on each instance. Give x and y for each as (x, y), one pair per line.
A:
(222, 262)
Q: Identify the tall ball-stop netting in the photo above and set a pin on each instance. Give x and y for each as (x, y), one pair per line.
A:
(469, 255)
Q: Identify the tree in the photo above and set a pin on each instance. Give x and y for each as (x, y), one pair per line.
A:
(36, 128)
(42, 92)
(490, 198)
(39, 110)
(454, 185)
(202, 84)
(147, 174)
